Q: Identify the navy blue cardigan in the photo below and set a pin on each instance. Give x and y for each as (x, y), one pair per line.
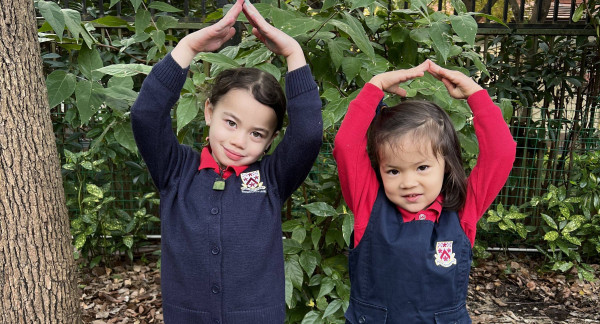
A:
(222, 253)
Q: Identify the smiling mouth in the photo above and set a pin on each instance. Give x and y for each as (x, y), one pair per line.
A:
(412, 197)
(232, 155)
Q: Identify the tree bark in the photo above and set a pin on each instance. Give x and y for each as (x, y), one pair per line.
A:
(37, 270)
(536, 15)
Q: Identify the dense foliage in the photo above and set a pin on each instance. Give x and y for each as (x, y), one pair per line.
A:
(96, 68)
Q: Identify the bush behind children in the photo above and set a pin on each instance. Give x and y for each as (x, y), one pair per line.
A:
(222, 253)
(415, 211)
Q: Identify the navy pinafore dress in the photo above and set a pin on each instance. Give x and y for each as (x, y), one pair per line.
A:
(415, 272)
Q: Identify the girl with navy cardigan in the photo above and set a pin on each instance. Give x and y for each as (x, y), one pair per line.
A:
(415, 210)
(222, 253)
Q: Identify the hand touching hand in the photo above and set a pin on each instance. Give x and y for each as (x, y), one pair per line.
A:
(459, 85)
(207, 39)
(389, 81)
(276, 41)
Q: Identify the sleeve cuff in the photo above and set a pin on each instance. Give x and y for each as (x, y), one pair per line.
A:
(299, 81)
(169, 73)
(480, 100)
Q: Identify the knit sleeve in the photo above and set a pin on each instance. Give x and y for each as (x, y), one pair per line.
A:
(357, 178)
(497, 151)
(295, 154)
(151, 120)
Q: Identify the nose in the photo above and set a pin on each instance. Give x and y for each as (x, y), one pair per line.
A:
(238, 139)
(408, 181)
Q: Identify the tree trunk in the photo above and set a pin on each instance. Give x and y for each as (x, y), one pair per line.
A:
(37, 270)
(540, 11)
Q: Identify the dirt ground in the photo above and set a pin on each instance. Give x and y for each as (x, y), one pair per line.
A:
(503, 289)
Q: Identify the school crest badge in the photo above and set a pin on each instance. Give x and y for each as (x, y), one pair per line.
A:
(444, 256)
(251, 182)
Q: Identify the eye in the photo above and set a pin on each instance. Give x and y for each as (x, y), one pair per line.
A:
(231, 123)
(257, 134)
(392, 172)
(422, 168)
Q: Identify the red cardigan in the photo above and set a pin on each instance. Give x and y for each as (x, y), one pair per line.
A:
(359, 182)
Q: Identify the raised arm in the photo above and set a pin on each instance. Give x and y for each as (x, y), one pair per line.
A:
(496, 146)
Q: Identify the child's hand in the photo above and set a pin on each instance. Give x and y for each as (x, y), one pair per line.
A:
(207, 39)
(389, 81)
(459, 85)
(276, 41)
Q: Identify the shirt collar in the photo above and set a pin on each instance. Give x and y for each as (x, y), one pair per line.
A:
(207, 161)
(432, 212)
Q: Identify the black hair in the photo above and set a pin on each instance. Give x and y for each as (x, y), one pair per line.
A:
(263, 86)
(425, 122)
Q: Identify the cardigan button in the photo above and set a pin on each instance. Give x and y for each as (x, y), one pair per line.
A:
(362, 319)
(215, 289)
(215, 250)
(214, 210)
(217, 321)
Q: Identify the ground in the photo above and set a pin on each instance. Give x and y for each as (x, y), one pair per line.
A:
(503, 289)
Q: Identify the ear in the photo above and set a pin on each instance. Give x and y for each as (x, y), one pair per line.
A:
(208, 110)
(268, 147)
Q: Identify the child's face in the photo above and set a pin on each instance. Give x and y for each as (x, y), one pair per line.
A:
(241, 128)
(412, 175)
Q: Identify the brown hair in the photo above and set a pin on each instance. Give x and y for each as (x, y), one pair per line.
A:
(263, 86)
(425, 122)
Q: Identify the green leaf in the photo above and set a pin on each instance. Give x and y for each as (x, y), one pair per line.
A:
(142, 21)
(218, 59)
(87, 101)
(73, 22)
(60, 86)
(136, 4)
(578, 12)
(124, 136)
(162, 6)
(94, 190)
(166, 22)
(158, 37)
(291, 246)
(477, 61)
(299, 234)
(348, 227)
(337, 47)
(332, 307)
(79, 241)
(490, 17)
(351, 66)
(289, 291)
(355, 30)
(258, 56)
(270, 68)
(53, 15)
(125, 70)
(128, 241)
(312, 317)
(89, 61)
(459, 6)
(111, 21)
(187, 110)
(320, 209)
(438, 32)
(549, 221)
(327, 285)
(290, 225)
(465, 27)
(551, 236)
(562, 266)
(315, 236)
(309, 261)
(293, 270)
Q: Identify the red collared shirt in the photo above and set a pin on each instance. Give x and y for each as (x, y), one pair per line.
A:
(431, 213)
(207, 161)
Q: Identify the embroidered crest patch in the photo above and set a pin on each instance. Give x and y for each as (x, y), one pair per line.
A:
(251, 182)
(444, 256)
